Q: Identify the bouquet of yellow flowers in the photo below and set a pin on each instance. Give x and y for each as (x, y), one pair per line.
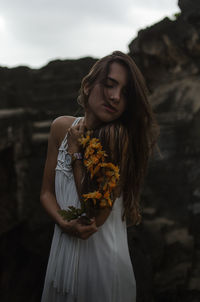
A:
(104, 174)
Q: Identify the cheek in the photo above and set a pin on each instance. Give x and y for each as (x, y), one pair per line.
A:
(93, 101)
(96, 94)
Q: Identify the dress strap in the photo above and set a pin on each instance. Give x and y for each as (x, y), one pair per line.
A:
(75, 122)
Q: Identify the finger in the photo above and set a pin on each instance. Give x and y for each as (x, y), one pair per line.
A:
(76, 127)
(91, 232)
(74, 233)
(70, 131)
(82, 127)
(73, 132)
(89, 228)
(88, 234)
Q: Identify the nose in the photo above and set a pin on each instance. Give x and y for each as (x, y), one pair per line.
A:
(116, 94)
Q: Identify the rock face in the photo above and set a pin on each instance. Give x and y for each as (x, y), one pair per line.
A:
(169, 55)
(169, 49)
(165, 248)
(50, 91)
(190, 9)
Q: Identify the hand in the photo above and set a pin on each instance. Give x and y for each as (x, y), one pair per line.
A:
(74, 133)
(76, 229)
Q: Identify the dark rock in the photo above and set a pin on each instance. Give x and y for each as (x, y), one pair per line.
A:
(190, 9)
(169, 55)
(51, 90)
(168, 50)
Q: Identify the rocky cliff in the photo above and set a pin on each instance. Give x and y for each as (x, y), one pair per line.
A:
(169, 55)
(165, 248)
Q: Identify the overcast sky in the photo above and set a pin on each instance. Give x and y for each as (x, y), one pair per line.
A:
(33, 32)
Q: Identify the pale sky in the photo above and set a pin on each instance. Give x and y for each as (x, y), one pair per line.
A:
(34, 32)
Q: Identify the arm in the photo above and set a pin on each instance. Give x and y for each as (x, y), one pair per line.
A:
(47, 196)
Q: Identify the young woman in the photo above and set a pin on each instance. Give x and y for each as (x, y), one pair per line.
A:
(91, 263)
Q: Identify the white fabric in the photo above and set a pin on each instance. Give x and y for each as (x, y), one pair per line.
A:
(98, 269)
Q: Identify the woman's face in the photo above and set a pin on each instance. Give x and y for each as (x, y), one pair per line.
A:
(107, 101)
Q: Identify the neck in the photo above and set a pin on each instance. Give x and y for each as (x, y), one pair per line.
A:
(90, 122)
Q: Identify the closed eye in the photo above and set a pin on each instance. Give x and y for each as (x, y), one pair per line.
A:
(108, 85)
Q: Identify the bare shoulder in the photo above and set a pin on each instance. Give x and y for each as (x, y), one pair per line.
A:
(60, 126)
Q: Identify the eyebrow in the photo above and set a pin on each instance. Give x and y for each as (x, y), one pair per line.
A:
(113, 80)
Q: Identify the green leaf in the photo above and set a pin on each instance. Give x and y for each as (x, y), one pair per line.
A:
(71, 213)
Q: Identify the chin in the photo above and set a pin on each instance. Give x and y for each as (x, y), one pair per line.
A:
(103, 117)
(107, 118)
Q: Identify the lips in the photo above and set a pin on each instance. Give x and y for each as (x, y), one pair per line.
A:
(109, 107)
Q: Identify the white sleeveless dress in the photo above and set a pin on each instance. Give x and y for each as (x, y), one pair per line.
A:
(98, 269)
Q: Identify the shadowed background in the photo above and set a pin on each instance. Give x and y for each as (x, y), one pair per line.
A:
(165, 248)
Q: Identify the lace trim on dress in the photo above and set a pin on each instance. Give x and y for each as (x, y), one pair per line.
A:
(63, 159)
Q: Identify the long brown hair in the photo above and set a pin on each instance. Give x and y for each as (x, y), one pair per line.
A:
(135, 131)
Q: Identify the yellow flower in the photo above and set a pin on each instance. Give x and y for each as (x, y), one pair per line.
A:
(84, 140)
(103, 203)
(100, 155)
(88, 163)
(96, 170)
(88, 152)
(105, 186)
(94, 159)
(106, 195)
(111, 166)
(95, 194)
(107, 174)
(112, 184)
(109, 202)
(95, 143)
